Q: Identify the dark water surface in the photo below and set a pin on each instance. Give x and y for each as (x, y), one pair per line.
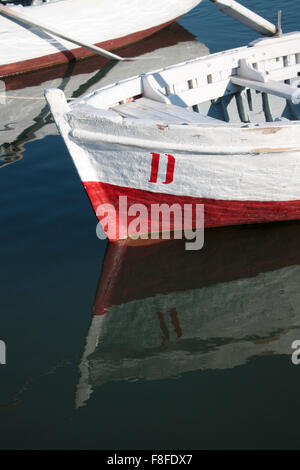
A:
(195, 350)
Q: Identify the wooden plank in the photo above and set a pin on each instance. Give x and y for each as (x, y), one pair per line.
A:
(244, 15)
(203, 94)
(274, 88)
(145, 108)
(138, 111)
(276, 47)
(113, 94)
(31, 22)
(188, 115)
(284, 73)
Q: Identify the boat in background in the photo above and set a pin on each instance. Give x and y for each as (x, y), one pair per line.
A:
(161, 311)
(25, 92)
(102, 23)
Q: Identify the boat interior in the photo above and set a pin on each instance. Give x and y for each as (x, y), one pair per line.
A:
(253, 84)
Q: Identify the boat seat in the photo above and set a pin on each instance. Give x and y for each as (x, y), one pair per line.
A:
(248, 77)
(148, 109)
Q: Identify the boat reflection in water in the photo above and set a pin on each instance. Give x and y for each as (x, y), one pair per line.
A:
(161, 311)
(25, 116)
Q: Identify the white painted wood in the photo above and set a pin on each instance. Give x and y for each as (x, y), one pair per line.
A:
(151, 89)
(211, 75)
(94, 21)
(15, 15)
(248, 72)
(274, 88)
(246, 16)
(145, 108)
(212, 85)
(228, 60)
(263, 42)
(59, 108)
(284, 74)
(114, 94)
(203, 93)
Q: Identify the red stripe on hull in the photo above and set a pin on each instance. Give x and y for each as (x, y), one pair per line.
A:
(217, 213)
(79, 53)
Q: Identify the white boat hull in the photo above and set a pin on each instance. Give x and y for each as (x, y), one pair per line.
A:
(131, 143)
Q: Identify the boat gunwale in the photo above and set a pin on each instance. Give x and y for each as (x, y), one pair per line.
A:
(162, 75)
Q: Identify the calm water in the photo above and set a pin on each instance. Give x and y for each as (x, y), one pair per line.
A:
(195, 351)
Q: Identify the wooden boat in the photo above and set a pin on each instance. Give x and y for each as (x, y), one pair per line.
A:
(221, 130)
(161, 311)
(98, 22)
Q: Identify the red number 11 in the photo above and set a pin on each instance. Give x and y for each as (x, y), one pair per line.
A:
(155, 166)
